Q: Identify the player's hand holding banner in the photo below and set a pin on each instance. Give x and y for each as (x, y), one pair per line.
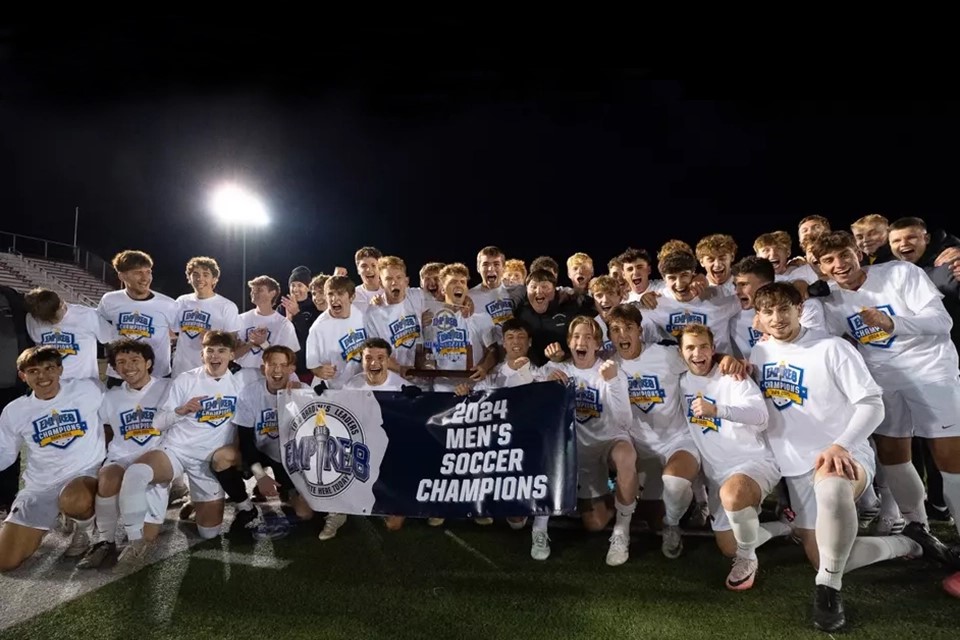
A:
(507, 452)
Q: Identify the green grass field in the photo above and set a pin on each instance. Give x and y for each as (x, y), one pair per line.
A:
(465, 581)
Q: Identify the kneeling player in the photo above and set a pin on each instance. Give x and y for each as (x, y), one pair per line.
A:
(725, 418)
(603, 436)
(198, 418)
(127, 412)
(60, 426)
(259, 432)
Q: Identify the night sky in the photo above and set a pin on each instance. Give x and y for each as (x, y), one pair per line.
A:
(428, 140)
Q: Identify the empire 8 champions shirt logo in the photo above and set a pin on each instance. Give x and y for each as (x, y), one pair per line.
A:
(59, 429)
(267, 424)
(645, 392)
(351, 345)
(707, 424)
(137, 424)
(194, 322)
(135, 325)
(680, 319)
(783, 384)
(216, 411)
(588, 405)
(404, 332)
(63, 341)
(500, 310)
(869, 335)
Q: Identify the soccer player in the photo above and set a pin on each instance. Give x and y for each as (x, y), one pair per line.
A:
(317, 296)
(455, 342)
(72, 329)
(775, 247)
(398, 319)
(823, 405)
(263, 326)
(301, 308)
(870, 234)
(127, 414)
(336, 338)
(603, 436)
(197, 421)
(636, 272)
(491, 296)
(369, 288)
(430, 279)
(680, 304)
(514, 273)
(58, 423)
(812, 227)
(201, 311)
(750, 274)
(893, 312)
(615, 267)
(580, 272)
(726, 418)
(605, 292)
(258, 431)
(715, 253)
(138, 313)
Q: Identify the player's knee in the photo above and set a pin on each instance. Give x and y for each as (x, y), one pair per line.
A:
(9, 562)
(593, 521)
(76, 499)
(109, 480)
(734, 496)
(224, 458)
(833, 492)
(624, 457)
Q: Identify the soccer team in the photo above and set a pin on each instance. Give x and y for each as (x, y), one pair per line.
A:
(806, 378)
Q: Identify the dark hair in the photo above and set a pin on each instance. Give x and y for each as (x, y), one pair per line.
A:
(515, 324)
(906, 223)
(677, 262)
(627, 312)
(42, 304)
(377, 343)
(38, 355)
(545, 262)
(635, 255)
(126, 345)
(775, 294)
(541, 275)
(279, 348)
(220, 339)
(833, 241)
(760, 267)
(131, 259)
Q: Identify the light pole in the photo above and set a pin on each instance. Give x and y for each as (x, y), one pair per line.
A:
(235, 205)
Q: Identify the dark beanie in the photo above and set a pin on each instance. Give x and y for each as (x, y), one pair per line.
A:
(300, 274)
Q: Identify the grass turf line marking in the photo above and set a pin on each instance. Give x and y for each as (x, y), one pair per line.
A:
(463, 543)
(251, 560)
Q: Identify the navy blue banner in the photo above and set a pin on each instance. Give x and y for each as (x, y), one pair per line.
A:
(504, 452)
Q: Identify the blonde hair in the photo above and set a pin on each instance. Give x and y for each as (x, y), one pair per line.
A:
(673, 246)
(594, 328)
(605, 284)
(870, 220)
(454, 269)
(695, 330)
(391, 261)
(578, 259)
(778, 239)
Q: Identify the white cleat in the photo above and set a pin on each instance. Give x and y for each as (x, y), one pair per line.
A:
(134, 553)
(672, 545)
(540, 548)
(619, 549)
(742, 574)
(79, 543)
(332, 524)
(887, 526)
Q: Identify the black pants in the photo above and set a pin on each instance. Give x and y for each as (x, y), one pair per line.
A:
(927, 468)
(9, 477)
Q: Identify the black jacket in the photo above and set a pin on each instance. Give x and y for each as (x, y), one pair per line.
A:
(302, 323)
(550, 326)
(13, 339)
(939, 240)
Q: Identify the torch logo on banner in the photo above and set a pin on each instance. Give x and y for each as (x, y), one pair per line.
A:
(328, 449)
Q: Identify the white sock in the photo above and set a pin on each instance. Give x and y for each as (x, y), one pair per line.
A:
(540, 523)
(108, 514)
(774, 529)
(624, 514)
(907, 488)
(85, 525)
(677, 494)
(836, 527)
(133, 498)
(869, 550)
(246, 505)
(868, 499)
(208, 533)
(951, 495)
(746, 529)
(699, 489)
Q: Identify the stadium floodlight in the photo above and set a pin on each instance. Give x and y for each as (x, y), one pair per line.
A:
(235, 205)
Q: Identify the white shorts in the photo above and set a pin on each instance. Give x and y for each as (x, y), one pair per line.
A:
(764, 472)
(593, 468)
(928, 411)
(803, 500)
(663, 451)
(158, 495)
(204, 486)
(39, 508)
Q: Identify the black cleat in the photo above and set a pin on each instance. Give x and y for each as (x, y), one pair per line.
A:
(242, 519)
(828, 609)
(933, 549)
(937, 514)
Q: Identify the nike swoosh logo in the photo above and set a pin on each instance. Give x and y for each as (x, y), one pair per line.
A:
(737, 583)
(947, 426)
(833, 573)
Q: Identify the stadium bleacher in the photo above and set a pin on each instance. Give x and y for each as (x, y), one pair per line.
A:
(70, 281)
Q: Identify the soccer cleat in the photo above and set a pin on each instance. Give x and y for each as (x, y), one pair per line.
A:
(435, 522)
(700, 516)
(938, 514)
(867, 515)
(332, 524)
(179, 493)
(933, 548)
(540, 547)
(887, 526)
(515, 524)
(742, 574)
(134, 553)
(672, 545)
(65, 525)
(102, 555)
(79, 543)
(483, 522)
(828, 609)
(187, 512)
(619, 550)
(244, 519)
(951, 584)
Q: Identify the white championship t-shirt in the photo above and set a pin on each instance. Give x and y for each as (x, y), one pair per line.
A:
(711, 308)
(745, 336)
(495, 302)
(398, 324)
(280, 332)
(337, 341)
(75, 337)
(199, 435)
(194, 318)
(457, 343)
(602, 407)
(257, 410)
(130, 414)
(149, 320)
(653, 384)
(810, 386)
(393, 383)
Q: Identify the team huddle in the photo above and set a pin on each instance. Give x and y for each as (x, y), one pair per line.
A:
(804, 379)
